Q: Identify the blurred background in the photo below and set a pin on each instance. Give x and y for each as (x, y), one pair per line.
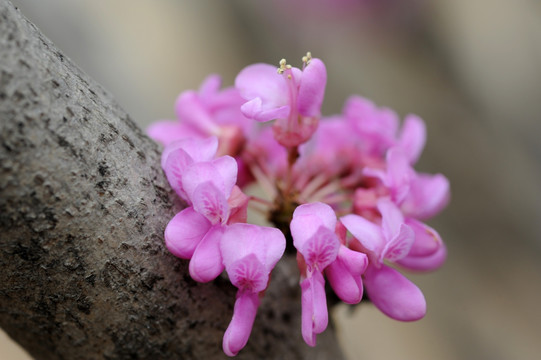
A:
(470, 69)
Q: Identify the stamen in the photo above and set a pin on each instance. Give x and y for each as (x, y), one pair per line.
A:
(306, 59)
(283, 66)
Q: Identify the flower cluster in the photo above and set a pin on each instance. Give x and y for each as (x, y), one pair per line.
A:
(340, 192)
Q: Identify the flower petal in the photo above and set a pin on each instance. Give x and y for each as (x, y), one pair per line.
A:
(166, 132)
(239, 329)
(424, 263)
(314, 308)
(249, 274)
(206, 263)
(262, 81)
(428, 195)
(308, 218)
(412, 137)
(427, 240)
(367, 233)
(347, 286)
(210, 202)
(240, 240)
(393, 294)
(189, 109)
(321, 249)
(312, 88)
(227, 168)
(198, 149)
(200, 173)
(184, 232)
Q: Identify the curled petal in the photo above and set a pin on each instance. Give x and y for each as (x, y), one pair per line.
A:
(399, 174)
(347, 286)
(427, 240)
(253, 109)
(314, 307)
(400, 245)
(260, 81)
(393, 294)
(239, 329)
(412, 137)
(176, 163)
(206, 263)
(312, 88)
(185, 231)
(355, 262)
(424, 263)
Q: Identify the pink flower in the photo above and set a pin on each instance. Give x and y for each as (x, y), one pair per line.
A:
(208, 112)
(312, 228)
(292, 97)
(249, 254)
(390, 291)
(378, 128)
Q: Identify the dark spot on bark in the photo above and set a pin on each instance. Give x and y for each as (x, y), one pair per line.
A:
(286, 318)
(150, 279)
(91, 279)
(64, 119)
(128, 140)
(103, 169)
(38, 180)
(141, 155)
(103, 185)
(84, 304)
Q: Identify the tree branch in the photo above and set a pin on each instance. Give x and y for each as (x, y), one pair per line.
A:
(83, 205)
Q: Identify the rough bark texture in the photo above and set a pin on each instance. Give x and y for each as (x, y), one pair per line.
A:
(83, 204)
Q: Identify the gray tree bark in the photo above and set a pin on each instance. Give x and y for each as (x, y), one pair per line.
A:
(83, 205)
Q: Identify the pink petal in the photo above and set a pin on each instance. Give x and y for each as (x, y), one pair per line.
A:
(238, 206)
(399, 174)
(400, 245)
(166, 132)
(249, 274)
(314, 308)
(210, 87)
(184, 232)
(254, 109)
(429, 194)
(307, 218)
(206, 263)
(210, 202)
(412, 137)
(200, 173)
(427, 240)
(368, 233)
(312, 88)
(424, 263)
(189, 109)
(262, 81)
(241, 240)
(355, 262)
(197, 149)
(393, 294)
(321, 249)
(175, 165)
(227, 168)
(239, 329)
(347, 286)
(391, 218)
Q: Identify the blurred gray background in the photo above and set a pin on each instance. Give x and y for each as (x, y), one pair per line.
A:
(470, 69)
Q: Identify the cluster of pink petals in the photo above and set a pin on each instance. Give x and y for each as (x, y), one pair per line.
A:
(353, 203)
